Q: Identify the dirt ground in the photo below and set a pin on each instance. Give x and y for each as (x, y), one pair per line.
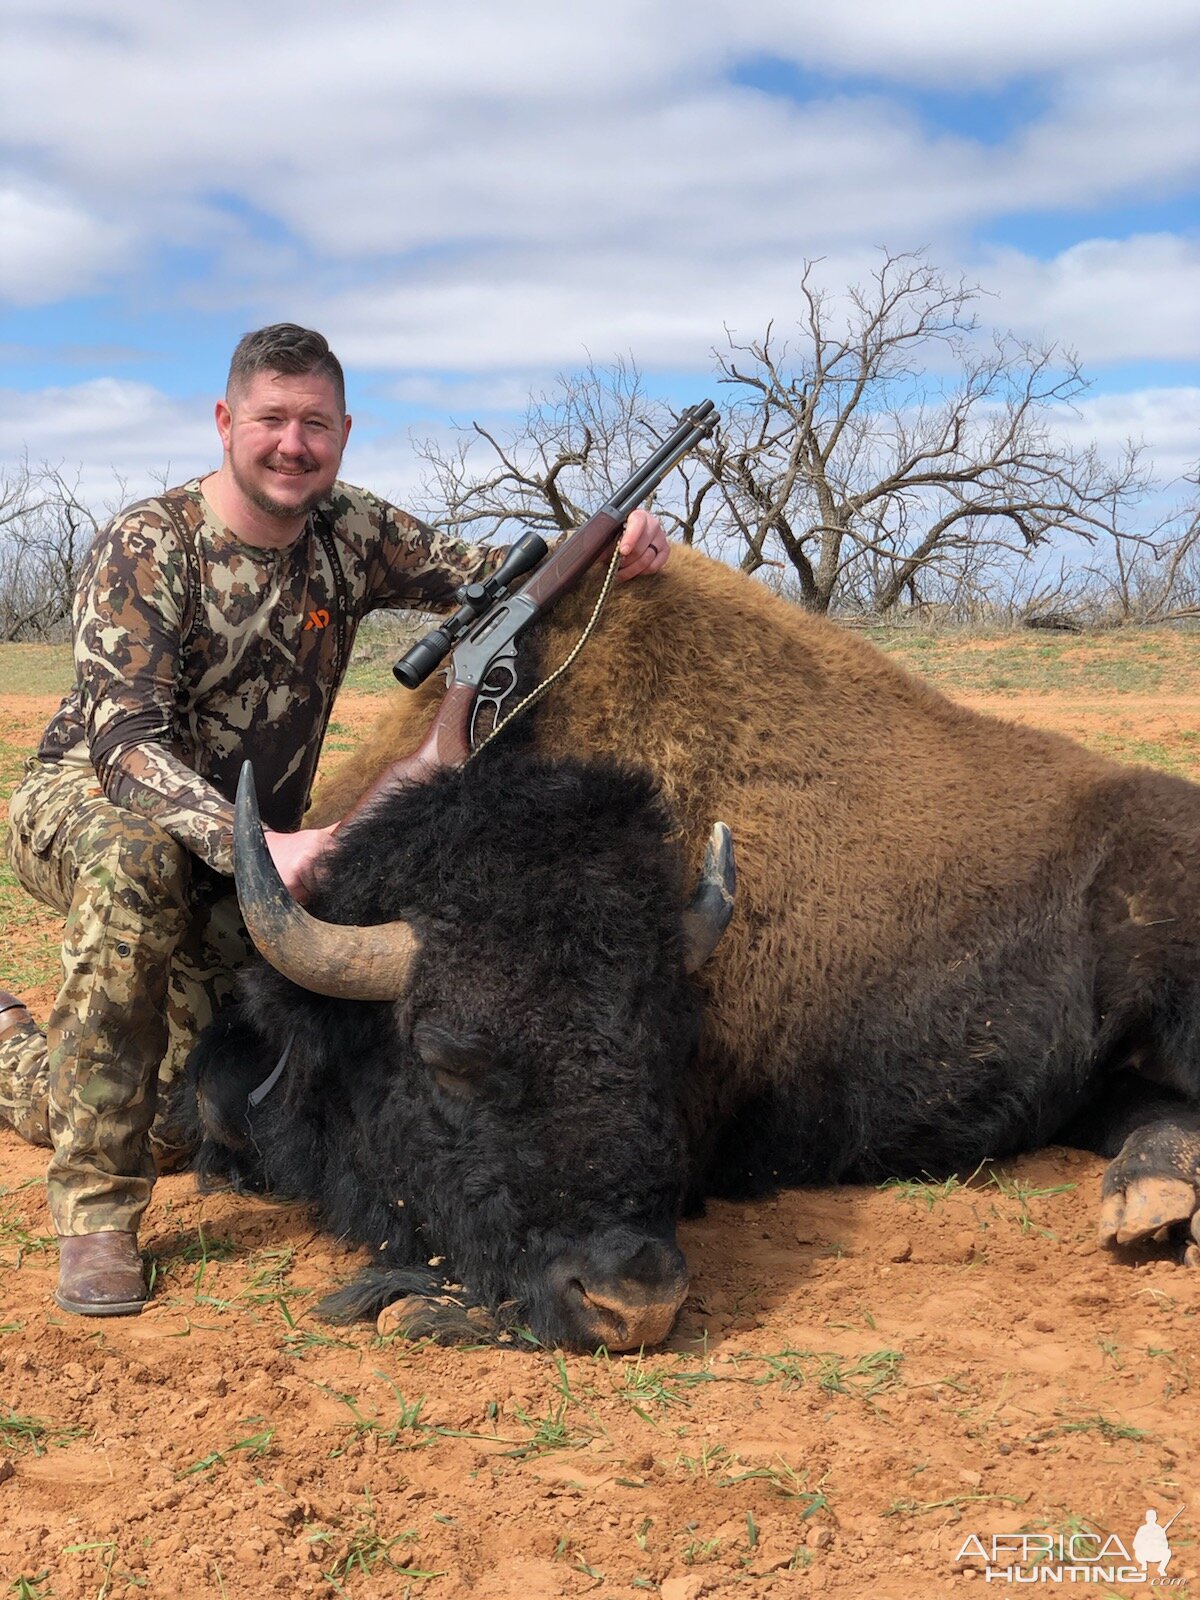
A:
(864, 1389)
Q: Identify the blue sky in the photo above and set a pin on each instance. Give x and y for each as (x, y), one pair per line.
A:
(469, 199)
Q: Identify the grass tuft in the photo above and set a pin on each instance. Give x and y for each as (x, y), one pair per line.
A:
(33, 1433)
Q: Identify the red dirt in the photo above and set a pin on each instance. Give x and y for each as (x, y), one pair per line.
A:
(859, 1382)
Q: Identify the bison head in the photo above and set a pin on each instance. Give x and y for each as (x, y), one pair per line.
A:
(487, 1090)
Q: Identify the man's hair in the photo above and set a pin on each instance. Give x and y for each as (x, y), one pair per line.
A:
(285, 347)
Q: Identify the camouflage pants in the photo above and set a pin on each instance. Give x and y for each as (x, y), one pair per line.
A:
(152, 941)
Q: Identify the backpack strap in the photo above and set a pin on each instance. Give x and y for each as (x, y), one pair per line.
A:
(323, 525)
(172, 502)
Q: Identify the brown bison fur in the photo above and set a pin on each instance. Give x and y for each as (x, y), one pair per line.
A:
(907, 867)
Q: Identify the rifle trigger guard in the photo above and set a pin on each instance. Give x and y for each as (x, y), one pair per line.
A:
(496, 688)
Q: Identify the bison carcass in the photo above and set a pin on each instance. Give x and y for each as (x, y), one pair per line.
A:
(954, 939)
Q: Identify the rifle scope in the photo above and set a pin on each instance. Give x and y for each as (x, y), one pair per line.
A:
(473, 600)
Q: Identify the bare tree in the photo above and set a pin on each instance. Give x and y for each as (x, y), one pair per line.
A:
(563, 460)
(45, 531)
(888, 455)
(1154, 576)
(848, 456)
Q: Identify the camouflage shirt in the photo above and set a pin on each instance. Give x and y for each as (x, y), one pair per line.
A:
(189, 660)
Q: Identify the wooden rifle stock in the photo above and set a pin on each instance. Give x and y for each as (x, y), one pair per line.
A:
(448, 741)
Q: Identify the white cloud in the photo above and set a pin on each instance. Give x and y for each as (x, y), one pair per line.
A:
(1117, 132)
(1166, 421)
(52, 246)
(467, 198)
(127, 439)
(1110, 299)
(124, 436)
(469, 395)
(386, 131)
(389, 466)
(946, 43)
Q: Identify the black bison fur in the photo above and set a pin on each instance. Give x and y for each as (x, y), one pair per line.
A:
(534, 1147)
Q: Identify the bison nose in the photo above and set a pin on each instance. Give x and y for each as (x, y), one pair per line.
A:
(620, 1289)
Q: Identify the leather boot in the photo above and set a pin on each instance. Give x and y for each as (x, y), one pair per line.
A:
(100, 1275)
(12, 1013)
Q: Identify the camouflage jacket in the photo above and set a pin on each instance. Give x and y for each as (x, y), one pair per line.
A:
(192, 653)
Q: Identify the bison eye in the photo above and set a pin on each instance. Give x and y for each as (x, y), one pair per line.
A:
(457, 1062)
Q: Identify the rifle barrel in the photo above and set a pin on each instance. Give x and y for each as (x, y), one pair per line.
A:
(693, 425)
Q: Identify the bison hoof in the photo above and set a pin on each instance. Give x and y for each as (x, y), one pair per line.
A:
(1145, 1210)
(1149, 1190)
(443, 1321)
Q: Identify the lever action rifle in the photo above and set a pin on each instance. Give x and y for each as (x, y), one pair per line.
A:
(481, 636)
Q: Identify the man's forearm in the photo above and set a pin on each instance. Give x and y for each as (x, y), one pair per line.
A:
(149, 780)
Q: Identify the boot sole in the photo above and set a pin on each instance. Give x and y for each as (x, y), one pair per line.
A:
(92, 1308)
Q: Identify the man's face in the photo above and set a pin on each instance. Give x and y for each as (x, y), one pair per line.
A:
(284, 435)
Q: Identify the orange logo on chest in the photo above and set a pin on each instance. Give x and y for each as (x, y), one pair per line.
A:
(317, 619)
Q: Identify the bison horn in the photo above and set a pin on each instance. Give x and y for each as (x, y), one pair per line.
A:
(347, 963)
(711, 906)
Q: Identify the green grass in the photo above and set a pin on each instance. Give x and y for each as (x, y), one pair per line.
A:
(16, 1239)
(31, 1588)
(1130, 748)
(786, 1482)
(406, 1421)
(929, 1191)
(297, 1341)
(365, 1550)
(267, 1273)
(254, 1446)
(864, 1376)
(926, 1191)
(547, 1433)
(1022, 1192)
(33, 1433)
(29, 950)
(380, 644)
(194, 1260)
(372, 673)
(36, 668)
(1130, 661)
(643, 1386)
(1108, 1429)
(920, 1508)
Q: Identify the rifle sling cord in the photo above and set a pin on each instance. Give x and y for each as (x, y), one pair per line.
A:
(259, 1094)
(547, 684)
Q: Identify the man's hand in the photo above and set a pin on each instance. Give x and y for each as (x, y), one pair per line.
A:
(644, 547)
(297, 855)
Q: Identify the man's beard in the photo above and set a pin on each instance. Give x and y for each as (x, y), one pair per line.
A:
(275, 508)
